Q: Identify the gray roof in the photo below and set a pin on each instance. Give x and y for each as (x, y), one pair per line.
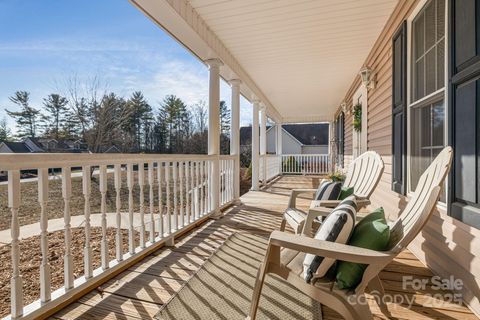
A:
(307, 134)
(17, 147)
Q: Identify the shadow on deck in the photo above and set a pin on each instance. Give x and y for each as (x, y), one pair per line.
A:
(139, 292)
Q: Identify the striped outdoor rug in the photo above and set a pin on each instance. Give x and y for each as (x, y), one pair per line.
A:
(222, 288)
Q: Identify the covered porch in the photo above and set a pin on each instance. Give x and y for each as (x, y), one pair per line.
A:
(141, 290)
(346, 63)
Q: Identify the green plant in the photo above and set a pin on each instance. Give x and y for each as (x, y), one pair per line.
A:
(357, 117)
(336, 176)
(248, 173)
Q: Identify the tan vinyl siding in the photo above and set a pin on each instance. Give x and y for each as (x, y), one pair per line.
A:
(447, 246)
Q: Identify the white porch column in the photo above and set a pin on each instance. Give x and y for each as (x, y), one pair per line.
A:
(255, 142)
(263, 142)
(278, 148)
(214, 133)
(279, 138)
(235, 135)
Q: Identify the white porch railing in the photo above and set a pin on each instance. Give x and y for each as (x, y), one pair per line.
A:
(305, 163)
(269, 167)
(227, 176)
(180, 184)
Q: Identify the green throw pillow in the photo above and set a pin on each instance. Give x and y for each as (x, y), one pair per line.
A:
(345, 192)
(372, 232)
(377, 214)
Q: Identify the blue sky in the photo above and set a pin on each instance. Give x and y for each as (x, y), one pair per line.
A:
(45, 43)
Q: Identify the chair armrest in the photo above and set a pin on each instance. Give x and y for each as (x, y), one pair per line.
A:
(312, 214)
(333, 203)
(329, 203)
(329, 249)
(292, 202)
(362, 203)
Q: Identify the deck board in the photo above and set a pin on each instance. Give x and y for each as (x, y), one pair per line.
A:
(138, 292)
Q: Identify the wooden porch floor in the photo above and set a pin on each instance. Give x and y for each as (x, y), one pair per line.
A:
(139, 292)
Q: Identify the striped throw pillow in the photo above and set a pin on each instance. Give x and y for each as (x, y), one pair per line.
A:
(328, 191)
(337, 227)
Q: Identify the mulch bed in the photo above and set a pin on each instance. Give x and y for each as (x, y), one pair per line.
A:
(31, 257)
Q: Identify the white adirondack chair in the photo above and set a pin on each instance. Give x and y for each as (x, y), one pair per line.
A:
(363, 175)
(287, 262)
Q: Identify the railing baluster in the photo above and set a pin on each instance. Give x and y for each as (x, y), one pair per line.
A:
(202, 186)
(175, 195)
(167, 187)
(45, 277)
(222, 182)
(16, 280)
(87, 250)
(194, 184)
(118, 215)
(103, 192)
(141, 183)
(68, 260)
(130, 182)
(226, 187)
(227, 183)
(230, 182)
(208, 185)
(160, 199)
(151, 183)
(187, 190)
(232, 179)
(182, 186)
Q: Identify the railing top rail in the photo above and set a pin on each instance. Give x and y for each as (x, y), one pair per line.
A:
(305, 154)
(227, 157)
(56, 160)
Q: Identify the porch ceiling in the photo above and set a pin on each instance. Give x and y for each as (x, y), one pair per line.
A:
(300, 57)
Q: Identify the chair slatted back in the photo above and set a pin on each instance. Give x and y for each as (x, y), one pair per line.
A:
(422, 203)
(364, 173)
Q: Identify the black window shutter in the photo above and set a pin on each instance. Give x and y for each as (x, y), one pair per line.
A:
(399, 110)
(340, 128)
(464, 104)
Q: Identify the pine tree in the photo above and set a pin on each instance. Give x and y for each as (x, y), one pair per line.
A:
(55, 117)
(26, 119)
(140, 121)
(224, 118)
(80, 117)
(174, 116)
(224, 128)
(5, 134)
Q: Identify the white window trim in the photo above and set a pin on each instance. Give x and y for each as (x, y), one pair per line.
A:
(445, 90)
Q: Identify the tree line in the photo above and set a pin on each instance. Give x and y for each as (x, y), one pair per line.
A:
(131, 124)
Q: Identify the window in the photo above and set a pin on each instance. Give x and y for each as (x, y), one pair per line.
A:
(428, 124)
(427, 99)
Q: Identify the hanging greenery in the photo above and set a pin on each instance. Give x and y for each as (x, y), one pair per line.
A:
(357, 117)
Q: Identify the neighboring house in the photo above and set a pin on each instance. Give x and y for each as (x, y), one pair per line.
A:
(14, 147)
(34, 145)
(296, 138)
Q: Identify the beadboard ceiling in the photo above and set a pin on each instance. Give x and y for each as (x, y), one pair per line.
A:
(302, 55)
